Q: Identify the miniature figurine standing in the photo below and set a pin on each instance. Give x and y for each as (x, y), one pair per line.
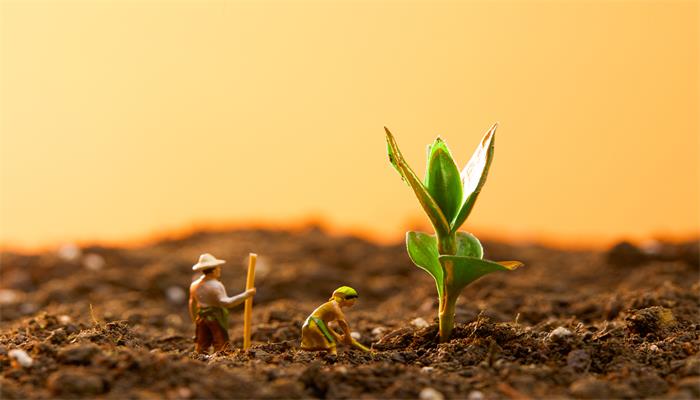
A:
(209, 305)
(316, 335)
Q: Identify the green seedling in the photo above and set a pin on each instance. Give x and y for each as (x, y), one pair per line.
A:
(453, 258)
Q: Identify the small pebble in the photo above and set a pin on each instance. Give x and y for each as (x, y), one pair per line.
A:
(64, 319)
(475, 395)
(559, 333)
(28, 308)
(20, 358)
(430, 394)
(9, 296)
(184, 393)
(355, 335)
(176, 295)
(69, 252)
(651, 247)
(93, 262)
(173, 320)
(378, 332)
(419, 323)
(654, 347)
(578, 360)
(427, 370)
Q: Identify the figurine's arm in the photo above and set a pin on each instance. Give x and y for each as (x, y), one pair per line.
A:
(192, 304)
(340, 319)
(193, 308)
(225, 301)
(338, 337)
(347, 338)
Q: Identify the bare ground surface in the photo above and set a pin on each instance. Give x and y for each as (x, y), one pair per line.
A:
(570, 324)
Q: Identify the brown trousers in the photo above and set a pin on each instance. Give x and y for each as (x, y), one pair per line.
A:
(210, 333)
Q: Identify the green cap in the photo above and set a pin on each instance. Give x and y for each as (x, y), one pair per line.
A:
(345, 292)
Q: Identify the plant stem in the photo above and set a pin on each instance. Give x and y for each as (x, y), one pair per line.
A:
(447, 317)
(447, 245)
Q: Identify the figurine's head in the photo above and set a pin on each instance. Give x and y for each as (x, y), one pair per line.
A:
(209, 265)
(345, 296)
(214, 273)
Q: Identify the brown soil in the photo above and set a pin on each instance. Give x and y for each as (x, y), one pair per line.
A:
(580, 324)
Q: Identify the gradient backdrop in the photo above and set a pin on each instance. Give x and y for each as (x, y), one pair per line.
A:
(121, 120)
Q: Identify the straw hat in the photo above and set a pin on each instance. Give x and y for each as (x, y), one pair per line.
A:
(206, 261)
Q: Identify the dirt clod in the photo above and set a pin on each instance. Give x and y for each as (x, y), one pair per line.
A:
(78, 353)
(75, 382)
(590, 388)
(655, 320)
(625, 254)
(578, 360)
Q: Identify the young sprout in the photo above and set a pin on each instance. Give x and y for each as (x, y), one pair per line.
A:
(454, 259)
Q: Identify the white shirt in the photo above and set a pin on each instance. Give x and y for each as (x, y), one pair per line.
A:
(211, 293)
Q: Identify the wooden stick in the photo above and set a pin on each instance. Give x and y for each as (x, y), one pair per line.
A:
(248, 313)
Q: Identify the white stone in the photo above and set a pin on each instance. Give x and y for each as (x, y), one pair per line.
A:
(651, 247)
(21, 357)
(475, 395)
(9, 296)
(93, 262)
(430, 394)
(64, 319)
(355, 335)
(419, 323)
(427, 370)
(176, 294)
(341, 369)
(262, 266)
(378, 332)
(559, 333)
(69, 252)
(184, 393)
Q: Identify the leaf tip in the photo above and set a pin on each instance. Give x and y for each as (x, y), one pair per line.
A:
(490, 134)
(511, 265)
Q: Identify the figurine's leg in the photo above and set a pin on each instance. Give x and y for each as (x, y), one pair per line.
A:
(313, 340)
(333, 350)
(203, 337)
(220, 336)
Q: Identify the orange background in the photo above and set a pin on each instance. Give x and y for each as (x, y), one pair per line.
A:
(123, 120)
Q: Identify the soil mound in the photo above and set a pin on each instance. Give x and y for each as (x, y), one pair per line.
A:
(113, 323)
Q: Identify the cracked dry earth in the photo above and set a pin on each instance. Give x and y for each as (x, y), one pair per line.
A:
(112, 323)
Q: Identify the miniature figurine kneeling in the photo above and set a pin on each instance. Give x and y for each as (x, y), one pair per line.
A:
(316, 335)
(209, 305)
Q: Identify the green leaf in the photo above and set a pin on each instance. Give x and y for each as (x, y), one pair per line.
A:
(468, 245)
(432, 209)
(443, 180)
(469, 269)
(474, 176)
(422, 249)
